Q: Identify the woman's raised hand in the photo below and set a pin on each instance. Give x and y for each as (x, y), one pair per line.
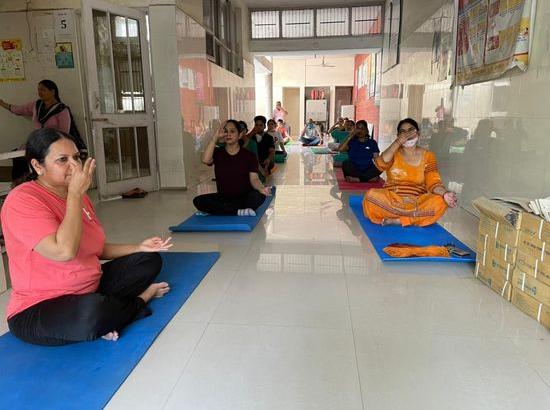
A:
(81, 176)
(221, 133)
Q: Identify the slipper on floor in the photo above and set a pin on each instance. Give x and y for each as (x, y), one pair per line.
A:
(134, 193)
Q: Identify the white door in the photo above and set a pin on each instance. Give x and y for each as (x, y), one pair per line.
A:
(119, 89)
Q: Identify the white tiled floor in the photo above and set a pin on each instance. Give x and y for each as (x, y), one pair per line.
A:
(301, 314)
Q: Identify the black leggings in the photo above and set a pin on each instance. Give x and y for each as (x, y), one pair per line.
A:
(350, 170)
(216, 204)
(75, 318)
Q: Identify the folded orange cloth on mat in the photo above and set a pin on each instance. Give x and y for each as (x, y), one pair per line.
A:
(403, 250)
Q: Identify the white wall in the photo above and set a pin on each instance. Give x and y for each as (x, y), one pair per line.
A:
(304, 72)
(164, 57)
(508, 158)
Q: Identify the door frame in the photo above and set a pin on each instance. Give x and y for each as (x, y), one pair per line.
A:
(98, 120)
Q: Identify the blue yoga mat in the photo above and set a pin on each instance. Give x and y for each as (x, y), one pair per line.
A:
(381, 236)
(214, 223)
(86, 375)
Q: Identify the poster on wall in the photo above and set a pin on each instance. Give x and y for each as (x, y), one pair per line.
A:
(378, 78)
(316, 110)
(392, 34)
(441, 47)
(493, 37)
(11, 60)
(64, 55)
(373, 78)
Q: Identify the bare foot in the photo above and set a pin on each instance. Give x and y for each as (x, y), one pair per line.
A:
(391, 221)
(112, 336)
(375, 179)
(352, 179)
(155, 290)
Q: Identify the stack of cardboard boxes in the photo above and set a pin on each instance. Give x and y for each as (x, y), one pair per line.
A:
(531, 278)
(497, 245)
(513, 257)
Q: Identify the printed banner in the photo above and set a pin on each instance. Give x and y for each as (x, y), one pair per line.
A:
(11, 60)
(493, 37)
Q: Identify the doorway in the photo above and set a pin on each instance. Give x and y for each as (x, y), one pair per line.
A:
(120, 98)
(291, 103)
(342, 96)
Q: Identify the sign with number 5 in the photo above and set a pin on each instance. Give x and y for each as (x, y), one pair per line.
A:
(64, 21)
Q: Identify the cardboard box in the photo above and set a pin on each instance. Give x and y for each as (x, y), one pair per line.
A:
(531, 245)
(502, 232)
(531, 307)
(494, 279)
(534, 267)
(533, 287)
(498, 212)
(536, 227)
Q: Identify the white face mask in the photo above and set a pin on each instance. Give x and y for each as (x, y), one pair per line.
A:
(410, 143)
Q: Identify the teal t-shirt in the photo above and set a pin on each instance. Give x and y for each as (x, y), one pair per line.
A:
(339, 136)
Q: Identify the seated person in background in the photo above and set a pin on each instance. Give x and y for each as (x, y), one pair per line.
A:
(338, 125)
(266, 145)
(240, 191)
(248, 141)
(54, 240)
(284, 130)
(414, 193)
(339, 135)
(310, 134)
(277, 138)
(244, 139)
(361, 149)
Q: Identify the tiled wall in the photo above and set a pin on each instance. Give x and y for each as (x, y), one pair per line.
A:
(490, 138)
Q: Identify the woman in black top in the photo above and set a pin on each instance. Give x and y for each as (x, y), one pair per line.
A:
(240, 191)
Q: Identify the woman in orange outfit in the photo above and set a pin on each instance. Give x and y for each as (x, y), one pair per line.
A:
(413, 193)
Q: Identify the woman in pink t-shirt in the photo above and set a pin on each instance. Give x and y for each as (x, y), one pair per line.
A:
(61, 293)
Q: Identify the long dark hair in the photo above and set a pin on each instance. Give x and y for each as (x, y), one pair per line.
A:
(366, 126)
(38, 147)
(50, 85)
(244, 126)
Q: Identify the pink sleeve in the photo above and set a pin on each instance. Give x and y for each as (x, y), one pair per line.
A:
(26, 109)
(64, 121)
(28, 218)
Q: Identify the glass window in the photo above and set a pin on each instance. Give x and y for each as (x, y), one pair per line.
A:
(265, 24)
(332, 22)
(366, 20)
(297, 23)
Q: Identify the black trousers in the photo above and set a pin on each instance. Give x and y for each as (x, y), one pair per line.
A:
(350, 170)
(216, 204)
(75, 318)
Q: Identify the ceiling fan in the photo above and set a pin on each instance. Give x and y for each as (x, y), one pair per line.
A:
(323, 63)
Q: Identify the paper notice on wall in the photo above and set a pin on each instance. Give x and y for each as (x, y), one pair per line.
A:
(45, 41)
(493, 37)
(11, 60)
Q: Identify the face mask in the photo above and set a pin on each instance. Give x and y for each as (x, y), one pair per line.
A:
(410, 143)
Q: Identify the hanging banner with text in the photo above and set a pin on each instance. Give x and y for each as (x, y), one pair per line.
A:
(493, 37)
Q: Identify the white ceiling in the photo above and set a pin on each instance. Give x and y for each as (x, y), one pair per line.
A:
(262, 4)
